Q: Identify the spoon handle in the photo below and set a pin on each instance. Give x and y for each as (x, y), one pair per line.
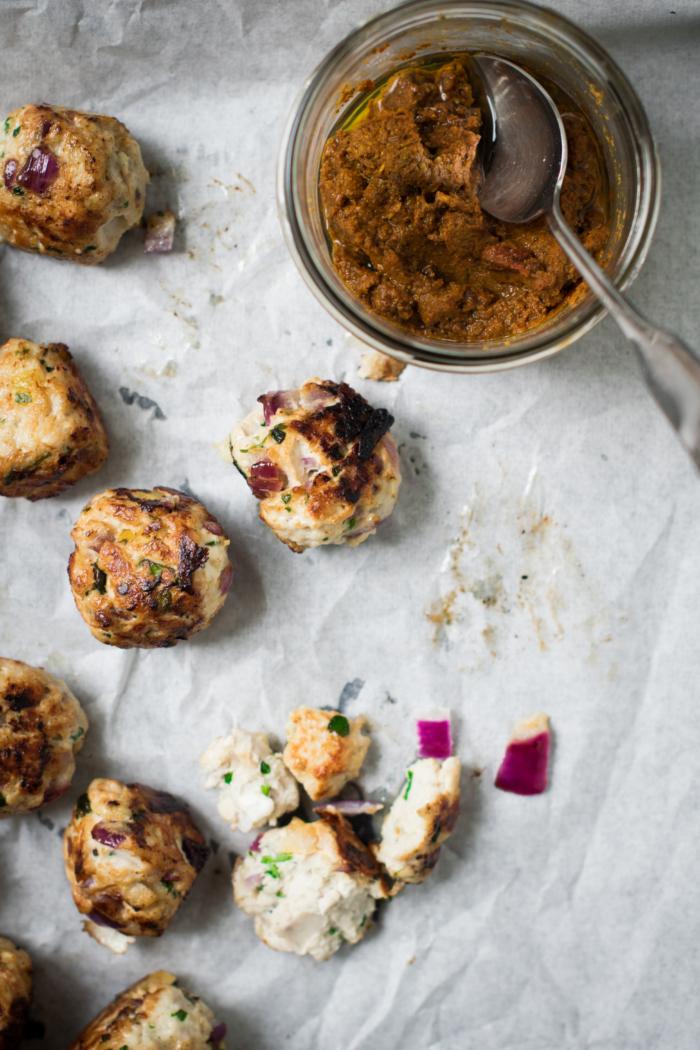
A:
(671, 369)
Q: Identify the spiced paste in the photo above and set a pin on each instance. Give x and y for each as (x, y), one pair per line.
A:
(399, 193)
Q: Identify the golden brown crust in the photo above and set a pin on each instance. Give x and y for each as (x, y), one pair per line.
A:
(97, 191)
(131, 856)
(320, 759)
(51, 430)
(15, 993)
(149, 568)
(42, 726)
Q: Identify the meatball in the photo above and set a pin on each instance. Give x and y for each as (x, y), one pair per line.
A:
(325, 750)
(255, 786)
(51, 431)
(421, 818)
(15, 993)
(149, 567)
(309, 886)
(321, 461)
(154, 1014)
(42, 727)
(73, 183)
(131, 856)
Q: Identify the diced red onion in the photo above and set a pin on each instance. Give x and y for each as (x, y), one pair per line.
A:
(217, 1034)
(524, 767)
(276, 399)
(97, 542)
(265, 477)
(226, 579)
(39, 171)
(113, 839)
(55, 791)
(256, 879)
(102, 920)
(434, 735)
(392, 452)
(10, 172)
(45, 128)
(255, 844)
(160, 233)
(213, 527)
(349, 807)
(361, 532)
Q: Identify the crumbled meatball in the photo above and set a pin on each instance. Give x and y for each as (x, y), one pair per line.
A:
(15, 993)
(380, 367)
(131, 856)
(255, 787)
(153, 1014)
(421, 818)
(324, 750)
(72, 183)
(51, 431)
(309, 886)
(321, 461)
(42, 727)
(149, 567)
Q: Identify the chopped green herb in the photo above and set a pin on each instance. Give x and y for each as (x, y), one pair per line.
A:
(437, 832)
(324, 540)
(279, 432)
(101, 583)
(258, 889)
(57, 737)
(155, 567)
(82, 806)
(23, 399)
(90, 248)
(16, 132)
(18, 192)
(77, 734)
(280, 894)
(139, 815)
(2, 800)
(3, 420)
(228, 778)
(410, 781)
(86, 509)
(212, 543)
(274, 871)
(364, 920)
(351, 523)
(170, 887)
(125, 204)
(265, 789)
(336, 471)
(165, 601)
(180, 1014)
(333, 930)
(340, 725)
(286, 498)
(7, 125)
(48, 368)
(278, 859)
(264, 768)
(50, 248)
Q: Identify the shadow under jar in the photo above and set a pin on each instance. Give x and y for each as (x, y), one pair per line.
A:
(548, 46)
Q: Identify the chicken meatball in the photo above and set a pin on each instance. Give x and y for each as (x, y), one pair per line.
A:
(421, 818)
(51, 431)
(72, 183)
(154, 1014)
(324, 750)
(131, 856)
(321, 462)
(149, 568)
(15, 993)
(42, 727)
(255, 786)
(309, 886)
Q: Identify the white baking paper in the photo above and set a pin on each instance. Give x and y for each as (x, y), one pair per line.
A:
(543, 555)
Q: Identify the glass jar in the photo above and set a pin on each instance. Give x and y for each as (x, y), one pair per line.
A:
(546, 44)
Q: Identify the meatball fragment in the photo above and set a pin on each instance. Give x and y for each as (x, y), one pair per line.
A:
(51, 431)
(154, 1014)
(325, 750)
(72, 183)
(309, 886)
(421, 818)
(15, 993)
(255, 786)
(149, 568)
(42, 727)
(380, 367)
(321, 461)
(131, 857)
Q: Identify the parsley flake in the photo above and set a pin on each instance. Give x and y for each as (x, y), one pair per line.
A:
(77, 734)
(351, 523)
(16, 132)
(23, 399)
(279, 432)
(340, 725)
(408, 786)
(264, 768)
(266, 789)
(180, 1014)
(287, 497)
(228, 778)
(82, 806)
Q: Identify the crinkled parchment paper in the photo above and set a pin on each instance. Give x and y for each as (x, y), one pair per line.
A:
(544, 553)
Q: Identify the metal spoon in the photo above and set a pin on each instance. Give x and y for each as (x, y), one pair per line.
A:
(524, 171)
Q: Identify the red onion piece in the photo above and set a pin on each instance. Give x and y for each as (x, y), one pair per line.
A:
(350, 807)
(226, 579)
(113, 839)
(97, 542)
(45, 128)
(196, 853)
(392, 452)
(102, 920)
(217, 1034)
(39, 171)
(256, 879)
(55, 791)
(255, 844)
(434, 736)
(275, 400)
(10, 172)
(523, 770)
(361, 532)
(213, 527)
(160, 232)
(265, 477)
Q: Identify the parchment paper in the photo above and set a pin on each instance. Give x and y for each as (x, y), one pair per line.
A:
(543, 555)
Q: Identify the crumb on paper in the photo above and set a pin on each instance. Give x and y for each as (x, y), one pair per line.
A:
(160, 232)
(380, 367)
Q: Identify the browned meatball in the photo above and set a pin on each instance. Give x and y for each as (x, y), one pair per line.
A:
(131, 856)
(51, 431)
(72, 182)
(15, 993)
(149, 567)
